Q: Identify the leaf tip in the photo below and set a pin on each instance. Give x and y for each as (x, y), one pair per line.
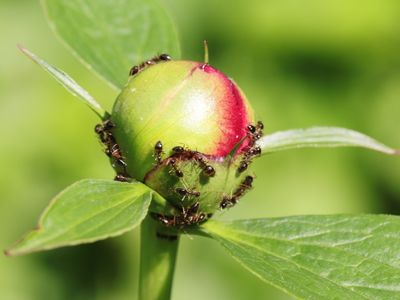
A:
(22, 48)
(25, 51)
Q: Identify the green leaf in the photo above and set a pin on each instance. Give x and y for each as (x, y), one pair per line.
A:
(87, 211)
(112, 36)
(319, 257)
(68, 83)
(318, 137)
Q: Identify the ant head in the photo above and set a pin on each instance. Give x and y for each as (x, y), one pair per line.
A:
(98, 128)
(248, 180)
(243, 166)
(134, 71)
(178, 149)
(165, 57)
(209, 171)
(251, 128)
(158, 146)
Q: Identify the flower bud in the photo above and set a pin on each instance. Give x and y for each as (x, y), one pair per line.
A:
(176, 124)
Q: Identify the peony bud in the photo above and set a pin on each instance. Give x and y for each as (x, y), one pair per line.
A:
(183, 129)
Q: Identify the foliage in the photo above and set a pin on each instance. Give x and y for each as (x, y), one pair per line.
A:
(318, 257)
(110, 36)
(87, 211)
(309, 257)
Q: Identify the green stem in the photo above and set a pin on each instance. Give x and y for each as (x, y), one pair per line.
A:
(157, 261)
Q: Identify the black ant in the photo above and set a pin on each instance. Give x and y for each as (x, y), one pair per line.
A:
(103, 130)
(186, 192)
(158, 151)
(136, 69)
(105, 126)
(254, 133)
(227, 202)
(112, 149)
(243, 166)
(122, 178)
(208, 170)
(191, 216)
(186, 217)
(239, 192)
(172, 163)
(255, 151)
(247, 159)
(244, 186)
(178, 150)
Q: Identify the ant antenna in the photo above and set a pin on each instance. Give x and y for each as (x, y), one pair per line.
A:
(205, 52)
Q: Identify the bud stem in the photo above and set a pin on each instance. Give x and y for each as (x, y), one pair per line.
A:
(157, 262)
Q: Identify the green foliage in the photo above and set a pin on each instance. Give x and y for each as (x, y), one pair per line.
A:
(112, 36)
(311, 257)
(319, 257)
(318, 137)
(68, 83)
(87, 211)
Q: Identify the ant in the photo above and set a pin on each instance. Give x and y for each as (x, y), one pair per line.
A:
(158, 151)
(186, 217)
(136, 69)
(243, 166)
(239, 192)
(208, 170)
(172, 163)
(103, 130)
(244, 186)
(178, 150)
(122, 178)
(254, 133)
(186, 192)
(190, 216)
(247, 158)
(112, 149)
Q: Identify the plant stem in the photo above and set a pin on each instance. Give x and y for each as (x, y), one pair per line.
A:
(157, 261)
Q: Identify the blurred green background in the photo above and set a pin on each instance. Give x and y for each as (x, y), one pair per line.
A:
(301, 63)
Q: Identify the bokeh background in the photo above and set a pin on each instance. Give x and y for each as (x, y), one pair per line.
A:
(301, 63)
